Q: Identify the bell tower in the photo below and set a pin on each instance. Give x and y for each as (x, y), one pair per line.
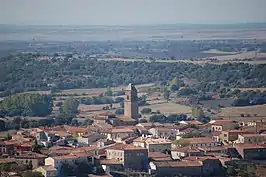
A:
(131, 108)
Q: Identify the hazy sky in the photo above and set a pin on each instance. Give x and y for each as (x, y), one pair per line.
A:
(124, 12)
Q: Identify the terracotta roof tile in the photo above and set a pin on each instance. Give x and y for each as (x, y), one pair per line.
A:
(178, 164)
(30, 155)
(125, 147)
(199, 140)
(110, 162)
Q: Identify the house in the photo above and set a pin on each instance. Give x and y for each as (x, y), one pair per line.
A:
(6, 148)
(252, 123)
(122, 121)
(200, 142)
(119, 132)
(220, 125)
(147, 125)
(184, 132)
(102, 118)
(46, 171)
(130, 156)
(251, 151)
(76, 131)
(31, 158)
(191, 122)
(59, 150)
(210, 164)
(250, 138)
(89, 138)
(215, 149)
(164, 132)
(230, 135)
(181, 152)
(58, 161)
(153, 144)
(173, 168)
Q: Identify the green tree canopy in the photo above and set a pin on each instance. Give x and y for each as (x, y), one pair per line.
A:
(29, 104)
(70, 106)
(166, 94)
(197, 112)
(32, 174)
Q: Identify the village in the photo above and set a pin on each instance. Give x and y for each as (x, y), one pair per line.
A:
(121, 144)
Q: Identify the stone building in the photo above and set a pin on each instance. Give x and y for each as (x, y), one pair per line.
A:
(131, 157)
(131, 109)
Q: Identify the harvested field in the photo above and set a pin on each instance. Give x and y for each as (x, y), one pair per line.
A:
(221, 59)
(215, 104)
(169, 108)
(241, 56)
(93, 108)
(214, 51)
(258, 111)
(98, 91)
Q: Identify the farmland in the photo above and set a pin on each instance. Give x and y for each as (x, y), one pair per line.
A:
(254, 112)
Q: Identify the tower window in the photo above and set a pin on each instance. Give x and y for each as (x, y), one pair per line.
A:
(127, 97)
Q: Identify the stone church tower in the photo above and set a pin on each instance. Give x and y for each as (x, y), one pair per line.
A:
(131, 108)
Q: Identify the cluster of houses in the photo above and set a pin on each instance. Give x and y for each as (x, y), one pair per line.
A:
(162, 149)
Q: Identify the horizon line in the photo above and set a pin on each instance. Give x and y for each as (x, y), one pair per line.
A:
(159, 24)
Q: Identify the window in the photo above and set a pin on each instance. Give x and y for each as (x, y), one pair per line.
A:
(127, 97)
(225, 135)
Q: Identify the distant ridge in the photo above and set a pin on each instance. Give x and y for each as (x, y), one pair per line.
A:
(174, 26)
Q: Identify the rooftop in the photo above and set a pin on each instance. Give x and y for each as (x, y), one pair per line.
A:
(158, 155)
(119, 130)
(125, 147)
(199, 158)
(251, 135)
(199, 140)
(193, 122)
(153, 140)
(30, 155)
(7, 160)
(249, 146)
(178, 164)
(188, 130)
(110, 162)
(186, 150)
(220, 122)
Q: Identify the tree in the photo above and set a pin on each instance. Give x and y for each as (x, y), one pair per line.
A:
(28, 104)
(36, 147)
(2, 125)
(174, 87)
(146, 111)
(158, 118)
(70, 106)
(67, 170)
(122, 105)
(109, 92)
(197, 112)
(74, 122)
(8, 137)
(32, 174)
(166, 94)
(87, 122)
(143, 121)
